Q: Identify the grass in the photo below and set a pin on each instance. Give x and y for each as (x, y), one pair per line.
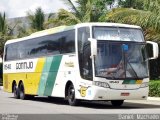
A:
(154, 88)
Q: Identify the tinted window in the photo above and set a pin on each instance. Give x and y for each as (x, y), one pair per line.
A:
(11, 52)
(68, 42)
(36, 47)
(59, 43)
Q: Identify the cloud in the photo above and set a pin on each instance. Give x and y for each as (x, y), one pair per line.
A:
(18, 8)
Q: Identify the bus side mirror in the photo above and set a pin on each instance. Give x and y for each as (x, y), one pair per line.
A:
(152, 49)
(93, 46)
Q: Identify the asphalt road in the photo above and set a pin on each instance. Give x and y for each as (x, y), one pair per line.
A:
(90, 111)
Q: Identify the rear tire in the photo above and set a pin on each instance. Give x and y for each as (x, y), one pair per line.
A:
(71, 96)
(16, 91)
(117, 103)
(22, 91)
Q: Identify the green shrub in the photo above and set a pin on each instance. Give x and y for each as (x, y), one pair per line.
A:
(154, 88)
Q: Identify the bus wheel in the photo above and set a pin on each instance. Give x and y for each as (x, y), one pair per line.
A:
(16, 91)
(71, 96)
(21, 91)
(117, 103)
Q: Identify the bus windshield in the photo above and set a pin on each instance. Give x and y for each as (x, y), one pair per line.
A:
(120, 34)
(120, 60)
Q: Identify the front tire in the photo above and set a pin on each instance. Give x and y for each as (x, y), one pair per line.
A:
(117, 103)
(71, 96)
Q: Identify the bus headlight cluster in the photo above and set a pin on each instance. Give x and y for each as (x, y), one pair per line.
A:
(101, 84)
(145, 84)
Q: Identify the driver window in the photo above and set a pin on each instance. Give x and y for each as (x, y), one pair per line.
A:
(84, 53)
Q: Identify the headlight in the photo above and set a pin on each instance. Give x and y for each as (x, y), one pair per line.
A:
(101, 84)
(145, 84)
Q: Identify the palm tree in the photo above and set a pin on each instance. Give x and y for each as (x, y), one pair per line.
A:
(37, 19)
(3, 23)
(4, 31)
(136, 4)
(48, 23)
(148, 18)
(82, 11)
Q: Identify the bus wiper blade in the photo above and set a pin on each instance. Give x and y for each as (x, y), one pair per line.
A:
(132, 69)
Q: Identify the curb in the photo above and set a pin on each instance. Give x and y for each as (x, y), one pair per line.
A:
(154, 98)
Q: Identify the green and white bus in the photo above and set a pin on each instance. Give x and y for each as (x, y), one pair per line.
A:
(87, 61)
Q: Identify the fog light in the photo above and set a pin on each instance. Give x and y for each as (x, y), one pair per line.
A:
(145, 84)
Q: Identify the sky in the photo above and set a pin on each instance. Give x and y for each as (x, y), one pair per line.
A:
(19, 8)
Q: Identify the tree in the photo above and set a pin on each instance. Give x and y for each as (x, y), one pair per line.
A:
(82, 11)
(148, 18)
(48, 23)
(37, 19)
(3, 23)
(136, 4)
(4, 32)
(145, 13)
(23, 31)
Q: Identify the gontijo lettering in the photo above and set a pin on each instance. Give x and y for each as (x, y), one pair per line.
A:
(24, 65)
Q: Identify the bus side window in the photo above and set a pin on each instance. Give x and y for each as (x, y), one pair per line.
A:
(11, 52)
(68, 42)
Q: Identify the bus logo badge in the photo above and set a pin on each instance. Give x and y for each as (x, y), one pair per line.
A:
(83, 91)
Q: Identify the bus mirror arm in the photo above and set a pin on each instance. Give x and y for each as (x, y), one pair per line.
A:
(1, 59)
(93, 47)
(152, 49)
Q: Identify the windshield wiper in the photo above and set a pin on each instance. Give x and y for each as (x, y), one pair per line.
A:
(132, 69)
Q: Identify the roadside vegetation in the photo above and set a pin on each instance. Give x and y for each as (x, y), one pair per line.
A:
(154, 88)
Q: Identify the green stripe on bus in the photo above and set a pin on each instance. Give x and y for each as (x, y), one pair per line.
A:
(52, 75)
(44, 76)
(129, 82)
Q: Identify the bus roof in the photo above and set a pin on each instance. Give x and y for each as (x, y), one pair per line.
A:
(65, 28)
(108, 24)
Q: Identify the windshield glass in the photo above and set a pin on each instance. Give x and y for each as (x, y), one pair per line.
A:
(115, 33)
(119, 60)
